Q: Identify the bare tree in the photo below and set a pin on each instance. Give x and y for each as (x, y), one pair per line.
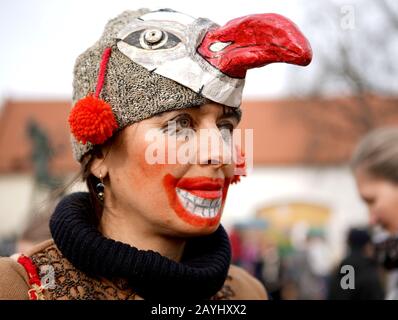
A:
(355, 48)
(355, 54)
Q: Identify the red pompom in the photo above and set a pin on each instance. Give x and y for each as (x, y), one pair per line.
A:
(92, 119)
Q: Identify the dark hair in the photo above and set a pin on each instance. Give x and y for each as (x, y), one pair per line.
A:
(236, 112)
(377, 153)
(91, 183)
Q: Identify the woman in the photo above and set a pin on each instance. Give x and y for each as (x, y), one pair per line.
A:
(149, 228)
(375, 167)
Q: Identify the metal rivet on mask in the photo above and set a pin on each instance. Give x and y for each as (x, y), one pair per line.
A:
(153, 36)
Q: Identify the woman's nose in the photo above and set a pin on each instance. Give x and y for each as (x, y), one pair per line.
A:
(214, 148)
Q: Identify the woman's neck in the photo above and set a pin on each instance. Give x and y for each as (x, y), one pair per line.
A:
(121, 227)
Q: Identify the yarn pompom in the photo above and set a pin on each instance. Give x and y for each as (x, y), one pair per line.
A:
(92, 120)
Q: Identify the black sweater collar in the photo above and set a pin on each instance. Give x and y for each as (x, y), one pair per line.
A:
(200, 274)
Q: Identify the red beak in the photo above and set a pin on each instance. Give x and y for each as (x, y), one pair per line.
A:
(255, 41)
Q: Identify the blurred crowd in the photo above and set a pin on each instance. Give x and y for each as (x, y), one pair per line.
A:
(306, 270)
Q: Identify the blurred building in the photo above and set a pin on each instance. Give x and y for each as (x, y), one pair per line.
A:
(300, 179)
(24, 125)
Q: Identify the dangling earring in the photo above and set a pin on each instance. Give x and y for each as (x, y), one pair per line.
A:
(100, 187)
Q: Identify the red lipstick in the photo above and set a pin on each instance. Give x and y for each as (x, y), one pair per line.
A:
(204, 187)
(209, 188)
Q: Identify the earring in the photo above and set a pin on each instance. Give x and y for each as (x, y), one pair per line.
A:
(100, 187)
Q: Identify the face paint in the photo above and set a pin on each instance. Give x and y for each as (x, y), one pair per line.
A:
(198, 201)
(240, 167)
(156, 196)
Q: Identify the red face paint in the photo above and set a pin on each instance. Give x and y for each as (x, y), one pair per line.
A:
(240, 165)
(206, 188)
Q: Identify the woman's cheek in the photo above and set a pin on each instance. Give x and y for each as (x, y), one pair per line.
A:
(230, 170)
(150, 170)
(140, 165)
(162, 167)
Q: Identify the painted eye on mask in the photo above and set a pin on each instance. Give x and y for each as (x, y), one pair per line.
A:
(152, 39)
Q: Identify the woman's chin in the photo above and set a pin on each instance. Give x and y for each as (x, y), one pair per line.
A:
(186, 230)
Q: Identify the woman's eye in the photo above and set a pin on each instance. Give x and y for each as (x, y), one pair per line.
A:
(178, 125)
(226, 126)
(184, 123)
(226, 130)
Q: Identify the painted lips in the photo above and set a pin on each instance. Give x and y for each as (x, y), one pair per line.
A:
(197, 200)
(200, 206)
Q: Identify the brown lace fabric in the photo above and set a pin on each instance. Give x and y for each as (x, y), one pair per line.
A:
(70, 284)
(226, 292)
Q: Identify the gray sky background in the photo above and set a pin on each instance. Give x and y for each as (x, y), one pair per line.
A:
(40, 40)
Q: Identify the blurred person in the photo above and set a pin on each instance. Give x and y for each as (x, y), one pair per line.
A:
(367, 281)
(236, 246)
(319, 262)
(250, 252)
(375, 167)
(271, 269)
(150, 230)
(292, 267)
(308, 267)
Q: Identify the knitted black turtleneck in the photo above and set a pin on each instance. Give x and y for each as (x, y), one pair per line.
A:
(200, 274)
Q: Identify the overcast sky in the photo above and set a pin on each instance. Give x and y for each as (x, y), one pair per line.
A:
(40, 39)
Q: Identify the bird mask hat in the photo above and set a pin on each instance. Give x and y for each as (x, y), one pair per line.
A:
(148, 62)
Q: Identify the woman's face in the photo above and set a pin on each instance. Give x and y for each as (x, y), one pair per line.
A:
(171, 197)
(381, 197)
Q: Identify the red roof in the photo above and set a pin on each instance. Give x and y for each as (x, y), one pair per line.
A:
(15, 144)
(286, 132)
(313, 131)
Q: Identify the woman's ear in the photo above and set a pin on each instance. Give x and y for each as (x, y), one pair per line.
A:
(99, 167)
